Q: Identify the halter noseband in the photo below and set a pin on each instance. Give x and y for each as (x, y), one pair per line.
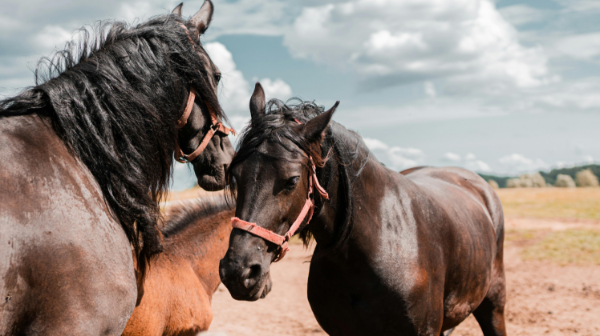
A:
(215, 127)
(307, 211)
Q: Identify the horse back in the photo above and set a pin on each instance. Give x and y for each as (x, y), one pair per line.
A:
(460, 181)
(60, 245)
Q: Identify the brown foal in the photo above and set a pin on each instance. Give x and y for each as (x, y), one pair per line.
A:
(181, 281)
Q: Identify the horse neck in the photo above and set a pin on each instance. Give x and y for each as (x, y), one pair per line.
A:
(345, 175)
(203, 244)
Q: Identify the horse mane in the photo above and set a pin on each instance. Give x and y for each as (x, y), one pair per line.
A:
(279, 121)
(114, 99)
(271, 127)
(183, 215)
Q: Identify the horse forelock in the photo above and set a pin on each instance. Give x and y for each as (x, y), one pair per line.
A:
(115, 97)
(278, 122)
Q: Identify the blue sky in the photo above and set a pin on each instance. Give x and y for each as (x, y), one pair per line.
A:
(500, 87)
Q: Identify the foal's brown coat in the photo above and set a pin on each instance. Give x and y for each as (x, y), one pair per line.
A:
(182, 280)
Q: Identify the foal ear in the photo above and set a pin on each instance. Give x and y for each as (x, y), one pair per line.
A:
(202, 19)
(177, 10)
(257, 102)
(314, 128)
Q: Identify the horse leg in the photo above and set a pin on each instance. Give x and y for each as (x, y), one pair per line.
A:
(490, 313)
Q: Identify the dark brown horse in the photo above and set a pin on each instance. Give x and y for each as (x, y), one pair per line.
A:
(397, 254)
(85, 156)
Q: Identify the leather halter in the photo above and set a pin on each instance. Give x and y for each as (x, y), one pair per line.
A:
(216, 126)
(306, 212)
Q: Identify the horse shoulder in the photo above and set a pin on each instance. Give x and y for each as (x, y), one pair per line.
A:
(64, 246)
(179, 298)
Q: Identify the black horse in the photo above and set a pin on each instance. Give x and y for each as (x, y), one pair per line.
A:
(86, 156)
(411, 253)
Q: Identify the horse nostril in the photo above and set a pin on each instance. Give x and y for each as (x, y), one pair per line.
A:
(255, 271)
(253, 275)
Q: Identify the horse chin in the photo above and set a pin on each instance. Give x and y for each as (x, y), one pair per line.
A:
(255, 293)
(267, 288)
(213, 181)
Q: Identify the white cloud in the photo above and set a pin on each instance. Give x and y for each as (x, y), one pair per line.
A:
(430, 89)
(581, 5)
(393, 42)
(375, 144)
(53, 37)
(521, 14)
(478, 166)
(577, 95)
(234, 89)
(584, 46)
(517, 163)
(469, 162)
(395, 157)
(257, 17)
(276, 89)
(452, 157)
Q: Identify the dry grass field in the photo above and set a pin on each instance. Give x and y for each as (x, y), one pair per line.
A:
(572, 204)
(552, 262)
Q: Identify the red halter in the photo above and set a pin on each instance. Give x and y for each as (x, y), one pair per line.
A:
(307, 210)
(215, 127)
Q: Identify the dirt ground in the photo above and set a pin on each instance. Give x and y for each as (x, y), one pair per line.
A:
(543, 298)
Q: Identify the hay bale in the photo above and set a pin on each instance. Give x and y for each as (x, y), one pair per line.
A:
(527, 181)
(494, 184)
(537, 180)
(564, 181)
(513, 183)
(586, 178)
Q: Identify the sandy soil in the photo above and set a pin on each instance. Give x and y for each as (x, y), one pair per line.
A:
(543, 298)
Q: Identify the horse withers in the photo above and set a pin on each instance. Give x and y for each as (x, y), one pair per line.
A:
(410, 253)
(86, 156)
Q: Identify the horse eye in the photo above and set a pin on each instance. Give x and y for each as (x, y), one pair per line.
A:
(218, 78)
(291, 183)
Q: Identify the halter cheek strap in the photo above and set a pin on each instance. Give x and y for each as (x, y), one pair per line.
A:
(306, 212)
(215, 127)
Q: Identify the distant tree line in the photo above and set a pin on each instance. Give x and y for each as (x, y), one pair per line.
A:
(549, 177)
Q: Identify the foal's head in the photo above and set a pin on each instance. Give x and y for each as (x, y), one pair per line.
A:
(271, 171)
(212, 162)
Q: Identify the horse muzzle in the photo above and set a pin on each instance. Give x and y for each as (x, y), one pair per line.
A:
(246, 281)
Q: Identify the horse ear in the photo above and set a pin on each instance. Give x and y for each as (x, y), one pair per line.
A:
(257, 102)
(177, 10)
(202, 19)
(314, 128)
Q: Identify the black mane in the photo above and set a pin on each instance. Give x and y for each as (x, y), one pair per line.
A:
(272, 127)
(181, 216)
(115, 99)
(279, 122)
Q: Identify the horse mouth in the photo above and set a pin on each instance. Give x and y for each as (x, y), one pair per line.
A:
(212, 179)
(267, 287)
(259, 291)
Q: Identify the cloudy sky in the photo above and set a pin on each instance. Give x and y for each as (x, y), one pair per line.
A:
(499, 87)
